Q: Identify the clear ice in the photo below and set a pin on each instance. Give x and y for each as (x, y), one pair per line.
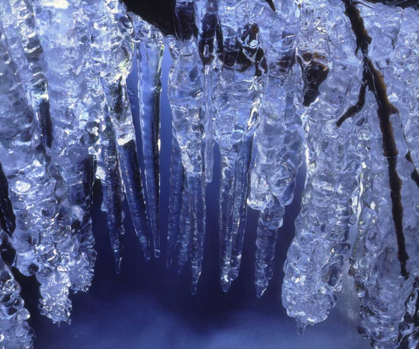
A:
(261, 81)
(185, 95)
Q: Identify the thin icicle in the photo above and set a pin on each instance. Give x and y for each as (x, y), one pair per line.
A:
(112, 39)
(175, 200)
(241, 189)
(150, 48)
(108, 164)
(208, 22)
(112, 186)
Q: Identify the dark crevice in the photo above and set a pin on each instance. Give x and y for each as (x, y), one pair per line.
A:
(185, 26)
(375, 83)
(157, 12)
(206, 45)
(315, 71)
(45, 122)
(7, 217)
(237, 53)
(7, 252)
(415, 174)
(271, 5)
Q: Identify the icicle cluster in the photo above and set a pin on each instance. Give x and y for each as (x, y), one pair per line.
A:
(66, 120)
(262, 80)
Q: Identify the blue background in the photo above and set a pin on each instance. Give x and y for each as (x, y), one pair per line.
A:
(149, 306)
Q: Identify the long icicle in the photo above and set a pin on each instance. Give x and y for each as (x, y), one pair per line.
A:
(150, 48)
(208, 21)
(112, 186)
(108, 171)
(315, 259)
(241, 190)
(116, 28)
(185, 94)
(278, 140)
(75, 127)
(31, 182)
(238, 98)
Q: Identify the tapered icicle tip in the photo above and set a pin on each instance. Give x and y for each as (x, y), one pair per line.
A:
(234, 275)
(147, 255)
(225, 283)
(194, 288)
(118, 265)
(157, 253)
(301, 326)
(260, 290)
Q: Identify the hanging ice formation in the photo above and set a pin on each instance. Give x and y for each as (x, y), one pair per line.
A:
(263, 80)
(185, 95)
(15, 331)
(278, 139)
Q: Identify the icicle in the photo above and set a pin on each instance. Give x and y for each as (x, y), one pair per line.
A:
(384, 261)
(278, 140)
(15, 332)
(313, 270)
(113, 194)
(108, 164)
(75, 127)
(24, 22)
(238, 99)
(376, 267)
(185, 95)
(150, 48)
(404, 86)
(241, 189)
(208, 22)
(270, 221)
(175, 200)
(113, 42)
(39, 249)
